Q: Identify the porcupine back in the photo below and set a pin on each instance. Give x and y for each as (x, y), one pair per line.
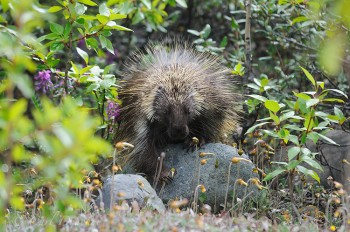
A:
(179, 83)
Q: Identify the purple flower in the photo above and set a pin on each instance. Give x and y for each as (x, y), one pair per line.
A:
(113, 110)
(43, 81)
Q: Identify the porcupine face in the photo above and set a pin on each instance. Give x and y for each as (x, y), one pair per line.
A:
(174, 113)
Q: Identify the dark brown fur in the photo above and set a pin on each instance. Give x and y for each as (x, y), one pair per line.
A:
(171, 95)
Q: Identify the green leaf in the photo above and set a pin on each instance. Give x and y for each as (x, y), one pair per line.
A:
(274, 174)
(117, 16)
(92, 42)
(103, 41)
(56, 28)
(253, 86)
(308, 172)
(182, 3)
(84, 70)
(294, 139)
(339, 91)
(147, 3)
(275, 118)
(56, 46)
(312, 102)
(307, 159)
(17, 109)
(83, 55)
(109, 46)
(292, 152)
(75, 68)
(309, 76)
(287, 115)
(67, 30)
(292, 164)
(80, 9)
(333, 100)
(338, 112)
(302, 96)
(5, 5)
(272, 105)
(264, 82)
(251, 129)
(102, 18)
(223, 44)
(54, 9)
(313, 136)
(299, 19)
(258, 97)
(193, 32)
(119, 28)
(92, 87)
(325, 138)
(206, 31)
(138, 17)
(87, 2)
(104, 10)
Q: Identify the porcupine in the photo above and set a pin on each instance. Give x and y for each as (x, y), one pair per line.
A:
(171, 94)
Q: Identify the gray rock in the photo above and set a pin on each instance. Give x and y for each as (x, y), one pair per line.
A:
(131, 187)
(215, 179)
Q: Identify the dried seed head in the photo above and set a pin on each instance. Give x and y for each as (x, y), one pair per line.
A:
(337, 185)
(96, 182)
(201, 154)
(115, 168)
(121, 194)
(345, 161)
(195, 140)
(253, 152)
(235, 160)
(177, 204)
(140, 183)
(341, 192)
(123, 145)
(240, 151)
(337, 213)
(255, 181)
(336, 200)
(242, 182)
(202, 188)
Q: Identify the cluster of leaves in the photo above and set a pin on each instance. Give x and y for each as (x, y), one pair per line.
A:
(303, 120)
(150, 13)
(52, 88)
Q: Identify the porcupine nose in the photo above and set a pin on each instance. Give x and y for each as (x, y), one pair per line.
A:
(179, 132)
